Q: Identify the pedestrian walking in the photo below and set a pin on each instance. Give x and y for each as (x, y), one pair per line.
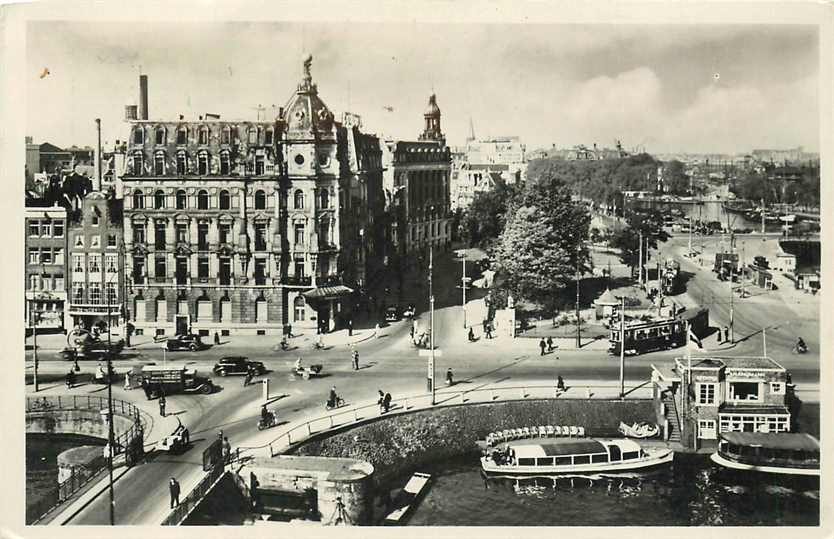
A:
(356, 360)
(386, 402)
(162, 405)
(174, 488)
(543, 346)
(381, 400)
(412, 333)
(76, 367)
(350, 327)
(449, 378)
(376, 331)
(550, 344)
(250, 373)
(216, 338)
(560, 383)
(489, 330)
(471, 335)
(726, 334)
(70, 379)
(484, 325)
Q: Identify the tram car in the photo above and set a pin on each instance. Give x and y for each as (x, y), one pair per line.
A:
(663, 334)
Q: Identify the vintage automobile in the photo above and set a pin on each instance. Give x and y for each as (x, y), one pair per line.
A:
(185, 342)
(100, 349)
(176, 442)
(392, 314)
(237, 365)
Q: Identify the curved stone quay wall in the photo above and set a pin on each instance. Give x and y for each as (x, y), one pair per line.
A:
(400, 444)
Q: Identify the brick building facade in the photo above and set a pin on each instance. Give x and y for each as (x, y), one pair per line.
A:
(46, 265)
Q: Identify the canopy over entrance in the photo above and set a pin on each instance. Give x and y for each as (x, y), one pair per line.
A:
(328, 292)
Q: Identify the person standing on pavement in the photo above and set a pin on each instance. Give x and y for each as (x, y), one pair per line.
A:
(227, 450)
(471, 335)
(216, 338)
(550, 344)
(726, 334)
(381, 400)
(386, 402)
(174, 488)
(162, 405)
(543, 346)
(489, 330)
(449, 377)
(355, 360)
(350, 327)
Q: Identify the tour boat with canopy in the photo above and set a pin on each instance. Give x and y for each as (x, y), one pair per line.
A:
(573, 456)
(783, 453)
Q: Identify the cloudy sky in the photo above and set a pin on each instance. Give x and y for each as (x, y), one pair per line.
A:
(671, 88)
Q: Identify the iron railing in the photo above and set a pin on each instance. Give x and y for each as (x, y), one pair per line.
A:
(181, 512)
(358, 414)
(79, 478)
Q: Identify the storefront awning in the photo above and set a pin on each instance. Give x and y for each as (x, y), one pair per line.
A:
(328, 292)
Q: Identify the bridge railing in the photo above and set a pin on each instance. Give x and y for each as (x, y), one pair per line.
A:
(346, 416)
(181, 511)
(78, 479)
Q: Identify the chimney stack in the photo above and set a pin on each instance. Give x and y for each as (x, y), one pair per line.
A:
(97, 163)
(143, 97)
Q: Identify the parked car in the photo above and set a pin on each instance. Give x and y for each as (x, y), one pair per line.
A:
(237, 365)
(185, 342)
(100, 349)
(409, 311)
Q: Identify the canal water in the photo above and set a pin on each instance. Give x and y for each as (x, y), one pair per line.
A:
(690, 492)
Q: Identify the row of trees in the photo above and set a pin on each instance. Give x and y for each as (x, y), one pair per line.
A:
(759, 185)
(536, 234)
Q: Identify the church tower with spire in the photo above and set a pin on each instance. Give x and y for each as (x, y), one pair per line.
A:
(432, 117)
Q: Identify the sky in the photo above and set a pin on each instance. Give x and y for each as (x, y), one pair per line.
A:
(668, 88)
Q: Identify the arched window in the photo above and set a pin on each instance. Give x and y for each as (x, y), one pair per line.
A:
(324, 198)
(159, 200)
(160, 135)
(225, 200)
(299, 200)
(202, 200)
(225, 163)
(138, 199)
(182, 200)
(138, 163)
(269, 136)
(260, 200)
(182, 164)
(226, 135)
(182, 135)
(253, 136)
(138, 135)
(159, 163)
(203, 163)
(203, 137)
(298, 307)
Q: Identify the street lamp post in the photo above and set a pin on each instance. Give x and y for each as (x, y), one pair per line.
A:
(34, 315)
(110, 439)
(463, 287)
(578, 320)
(431, 384)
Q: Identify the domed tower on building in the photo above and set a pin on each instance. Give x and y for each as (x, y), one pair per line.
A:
(432, 116)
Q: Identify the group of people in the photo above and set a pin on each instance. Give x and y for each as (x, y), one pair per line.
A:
(487, 327)
(546, 345)
(726, 335)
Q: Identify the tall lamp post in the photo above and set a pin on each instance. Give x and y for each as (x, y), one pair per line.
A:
(431, 383)
(463, 287)
(110, 438)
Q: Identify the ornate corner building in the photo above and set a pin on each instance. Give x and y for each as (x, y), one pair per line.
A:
(243, 227)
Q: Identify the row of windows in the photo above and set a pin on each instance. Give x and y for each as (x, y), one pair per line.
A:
(436, 230)
(253, 135)
(111, 263)
(205, 309)
(160, 166)
(46, 228)
(46, 255)
(737, 391)
(224, 199)
(46, 283)
(95, 241)
(94, 293)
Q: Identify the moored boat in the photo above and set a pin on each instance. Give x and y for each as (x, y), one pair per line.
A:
(784, 453)
(572, 456)
(405, 502)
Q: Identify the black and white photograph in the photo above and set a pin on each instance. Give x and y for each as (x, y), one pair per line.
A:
(419, 265)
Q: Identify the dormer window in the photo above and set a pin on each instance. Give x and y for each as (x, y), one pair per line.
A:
(182, 135)
(160, 135)
(203, 137)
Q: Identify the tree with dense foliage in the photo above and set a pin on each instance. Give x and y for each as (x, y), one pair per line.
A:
(675, 180)
(485, 218)
(544, 241)
(627, 240)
